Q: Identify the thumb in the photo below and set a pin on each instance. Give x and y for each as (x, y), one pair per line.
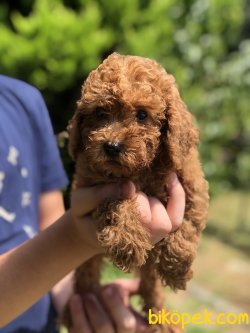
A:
(85, 200)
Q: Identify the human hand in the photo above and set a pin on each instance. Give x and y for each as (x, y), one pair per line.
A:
(109, 312)
(84, 201)
(159, 220)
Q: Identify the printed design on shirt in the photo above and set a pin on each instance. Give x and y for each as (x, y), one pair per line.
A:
(13, 155)
(7, 216)
(29, 231)
(25, 197)
(24, 173)
(2, 176)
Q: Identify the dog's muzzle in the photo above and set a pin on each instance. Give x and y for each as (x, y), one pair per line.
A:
(112, 149)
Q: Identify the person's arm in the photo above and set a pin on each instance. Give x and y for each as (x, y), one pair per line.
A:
(51, 207)
(30, 270)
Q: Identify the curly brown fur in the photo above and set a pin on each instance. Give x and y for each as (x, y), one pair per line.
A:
(132, 124)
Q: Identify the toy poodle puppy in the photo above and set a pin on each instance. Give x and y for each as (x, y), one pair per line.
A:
(131, 124)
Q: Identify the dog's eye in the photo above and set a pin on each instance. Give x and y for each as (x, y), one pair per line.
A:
(141, 114)
(100, 112)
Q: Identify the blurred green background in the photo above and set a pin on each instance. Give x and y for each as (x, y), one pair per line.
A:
(53, 44)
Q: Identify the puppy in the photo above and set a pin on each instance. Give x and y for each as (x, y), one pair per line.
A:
(131, 124)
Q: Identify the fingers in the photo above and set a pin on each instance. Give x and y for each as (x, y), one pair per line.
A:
(123, 317)
(158, 219)
(144, 207)
(85, 200)
(122, 311)
(130, 286)
(154, 217)
(162, 220)
(161, 224)
(98, 317)
(93, 318)
(176, 202)
(126, 288)
(80, 323)
(142, 325)
(90, 318)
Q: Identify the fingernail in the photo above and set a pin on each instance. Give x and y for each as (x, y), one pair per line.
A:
(172, 180)
(129, 323)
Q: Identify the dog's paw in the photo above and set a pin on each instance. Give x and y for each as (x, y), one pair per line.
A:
(122, 235)
(173, 262)
(125, 250)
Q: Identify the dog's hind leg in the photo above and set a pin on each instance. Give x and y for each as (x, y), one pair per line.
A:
(88, 275)
(87, 280)
(153, 296)
(151, 289)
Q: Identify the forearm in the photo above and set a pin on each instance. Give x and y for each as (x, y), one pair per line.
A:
(30, 270)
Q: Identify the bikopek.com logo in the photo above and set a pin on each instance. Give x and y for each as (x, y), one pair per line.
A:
(165, 317)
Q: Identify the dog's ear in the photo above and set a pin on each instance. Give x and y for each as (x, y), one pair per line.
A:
(180, 134)
(75, 139)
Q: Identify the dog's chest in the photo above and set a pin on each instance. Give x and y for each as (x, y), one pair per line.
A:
(152, 181)
(153, 185)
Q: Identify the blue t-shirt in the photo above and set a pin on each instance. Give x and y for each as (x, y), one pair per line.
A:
(29, 165)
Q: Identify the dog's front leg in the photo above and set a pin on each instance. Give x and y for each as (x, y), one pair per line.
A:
(122, 234)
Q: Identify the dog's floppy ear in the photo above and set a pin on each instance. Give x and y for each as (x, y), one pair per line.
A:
(75, 138)
(180, 134)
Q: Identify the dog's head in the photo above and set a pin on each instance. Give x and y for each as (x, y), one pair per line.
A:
(129, 113)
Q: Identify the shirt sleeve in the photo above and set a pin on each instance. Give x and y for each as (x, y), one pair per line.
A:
(52, 172)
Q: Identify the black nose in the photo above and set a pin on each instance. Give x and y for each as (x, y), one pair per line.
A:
(112, 149)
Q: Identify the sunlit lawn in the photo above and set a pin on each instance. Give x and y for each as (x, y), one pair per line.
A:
(229, 218)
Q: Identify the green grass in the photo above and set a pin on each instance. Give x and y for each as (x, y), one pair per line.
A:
(229, 209)
(229, 219)
(110, 273)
